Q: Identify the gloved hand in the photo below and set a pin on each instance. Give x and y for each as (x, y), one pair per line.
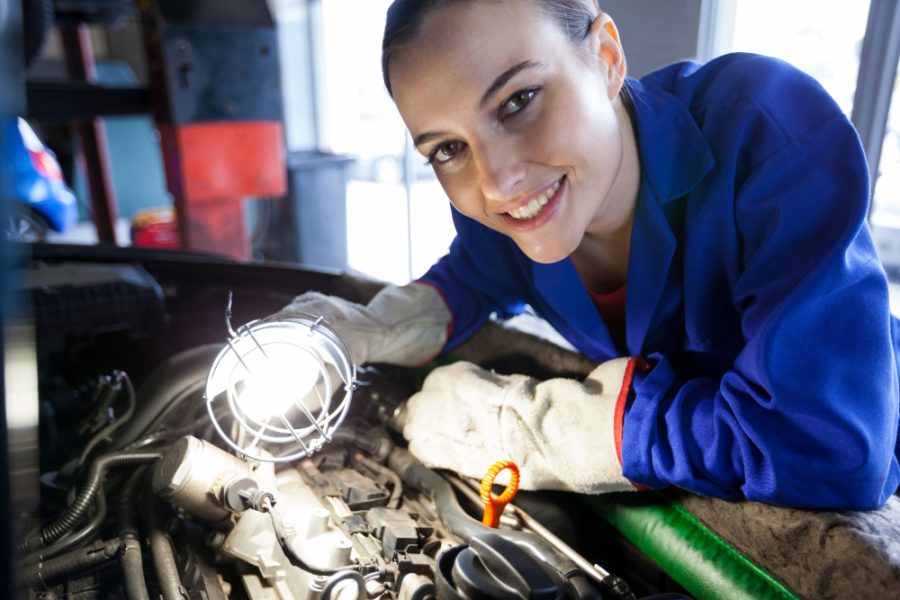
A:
(560, 432)
(405, 326)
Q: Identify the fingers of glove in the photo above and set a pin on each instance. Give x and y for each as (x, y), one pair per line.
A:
(301, 303)
(463, 390)
(456, 400)
(457, 409)
(447, 453)
(443, 435)
(338, 312)
(353, 322)
(473, 385)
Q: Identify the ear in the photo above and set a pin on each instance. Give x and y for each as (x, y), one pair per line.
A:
(607, 47)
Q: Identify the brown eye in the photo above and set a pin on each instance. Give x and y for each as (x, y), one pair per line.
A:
(444, 152)
(516, 102)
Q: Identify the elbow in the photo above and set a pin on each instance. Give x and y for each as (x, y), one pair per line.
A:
(871, 486)
(842, 460)
(826, 485)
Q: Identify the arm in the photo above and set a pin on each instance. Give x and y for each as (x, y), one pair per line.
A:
(478, 276)
(411, 324)
(402, 325)
(807, 414)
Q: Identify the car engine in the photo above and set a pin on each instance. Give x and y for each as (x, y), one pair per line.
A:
(159, 483)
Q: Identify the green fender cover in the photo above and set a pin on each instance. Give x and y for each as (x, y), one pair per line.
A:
(700, 561)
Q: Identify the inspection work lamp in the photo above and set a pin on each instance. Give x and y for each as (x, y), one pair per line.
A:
(280, 387)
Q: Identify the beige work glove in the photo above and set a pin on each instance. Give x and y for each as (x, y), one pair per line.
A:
(402, 325)
(559, 432)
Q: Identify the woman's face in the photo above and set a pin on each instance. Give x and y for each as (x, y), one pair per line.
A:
(524, 128)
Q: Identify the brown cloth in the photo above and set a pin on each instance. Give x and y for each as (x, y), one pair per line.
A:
(817, 554)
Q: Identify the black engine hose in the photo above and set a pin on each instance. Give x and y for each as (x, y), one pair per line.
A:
(375, 441)
(337, 578)
(83, 558)
(177, 379)
(449, 512)
(584, 588)
(164, 563)
(76, 538)
(132, 557)
(126, 507)
(133, 571)
(92, 485)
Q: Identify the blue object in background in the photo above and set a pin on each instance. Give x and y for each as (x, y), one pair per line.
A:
(36, 195)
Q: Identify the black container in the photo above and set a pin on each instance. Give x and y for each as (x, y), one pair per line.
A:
(309, 225)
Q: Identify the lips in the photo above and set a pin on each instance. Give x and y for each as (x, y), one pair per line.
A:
(531, 210)
(537, 210)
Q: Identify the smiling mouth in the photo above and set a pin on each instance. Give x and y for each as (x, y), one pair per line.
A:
(534, 208)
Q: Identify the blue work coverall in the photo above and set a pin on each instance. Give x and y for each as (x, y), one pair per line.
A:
(753, 288)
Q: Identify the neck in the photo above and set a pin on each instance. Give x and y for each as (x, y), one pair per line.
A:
(601, 258)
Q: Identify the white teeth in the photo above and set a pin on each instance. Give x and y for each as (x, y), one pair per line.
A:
(531, 210)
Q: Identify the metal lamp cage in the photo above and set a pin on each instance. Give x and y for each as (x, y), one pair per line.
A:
(308, 375)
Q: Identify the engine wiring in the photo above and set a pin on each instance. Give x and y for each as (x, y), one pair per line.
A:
(267, 506)
(394, 517)
(92, 487)
(120, 380)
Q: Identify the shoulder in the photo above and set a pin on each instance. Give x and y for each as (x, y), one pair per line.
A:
(742, 83)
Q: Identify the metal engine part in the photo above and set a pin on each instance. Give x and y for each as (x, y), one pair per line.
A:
(196, 476)
(358, 516)
(313, 537)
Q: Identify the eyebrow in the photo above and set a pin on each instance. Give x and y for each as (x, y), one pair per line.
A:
(503, 78)
(497, 84)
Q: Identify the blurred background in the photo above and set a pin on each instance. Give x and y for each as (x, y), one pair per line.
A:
(359, 197)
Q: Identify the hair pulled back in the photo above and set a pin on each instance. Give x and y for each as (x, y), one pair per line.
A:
(404, 17)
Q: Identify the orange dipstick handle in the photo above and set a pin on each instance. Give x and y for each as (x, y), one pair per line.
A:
(493, 507)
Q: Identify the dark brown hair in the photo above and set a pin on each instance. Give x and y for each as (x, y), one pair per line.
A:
(404, 17)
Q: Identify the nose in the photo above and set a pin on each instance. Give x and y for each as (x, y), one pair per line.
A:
(501, 170)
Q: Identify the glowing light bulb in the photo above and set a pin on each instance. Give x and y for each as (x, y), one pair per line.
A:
(280, 387)
(276, 383)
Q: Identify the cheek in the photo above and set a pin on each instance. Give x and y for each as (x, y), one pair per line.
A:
(462, 192)
(568, 133)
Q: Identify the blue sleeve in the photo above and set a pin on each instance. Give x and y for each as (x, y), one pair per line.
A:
(807, 414)
(480, 275)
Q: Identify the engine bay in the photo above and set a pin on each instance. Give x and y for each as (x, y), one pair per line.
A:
(150, 486)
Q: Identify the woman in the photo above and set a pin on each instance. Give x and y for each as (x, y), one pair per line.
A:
(700, 233)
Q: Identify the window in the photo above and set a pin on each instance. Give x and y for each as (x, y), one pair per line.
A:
(821, 37)
(398, 218)
(885, 218)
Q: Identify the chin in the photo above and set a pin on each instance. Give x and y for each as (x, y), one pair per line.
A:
(545, 255)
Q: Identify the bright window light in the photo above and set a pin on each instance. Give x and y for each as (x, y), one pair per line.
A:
(821, 37)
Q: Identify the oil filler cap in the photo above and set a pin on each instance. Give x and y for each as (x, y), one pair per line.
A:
(495, 567)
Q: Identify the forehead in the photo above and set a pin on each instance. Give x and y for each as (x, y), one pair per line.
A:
(462, 47)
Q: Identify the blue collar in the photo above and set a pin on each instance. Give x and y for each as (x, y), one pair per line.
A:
(675, 157)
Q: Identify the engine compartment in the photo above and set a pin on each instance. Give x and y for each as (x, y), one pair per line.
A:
(141, 498)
